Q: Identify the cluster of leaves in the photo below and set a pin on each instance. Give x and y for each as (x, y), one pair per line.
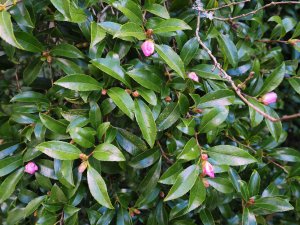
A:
(77, 93)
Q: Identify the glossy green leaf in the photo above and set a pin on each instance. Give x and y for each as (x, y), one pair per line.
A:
(6, 29)
(131, 30)
(98, 188)
(83, 136)
(171, 58)
(212, 119)
(184, 182)
(168, 117)
(275, 128)
(273, 80)
(108, 152)
(216, 98)
(52, 124)
(59, 150)
(123, 100)
(97, 34)
(145, 121)
(170, 175)
(295, 83)
(33, 205)
(189, 50)
(190, 151)
(145, 159)
(170, 25)
(158, 10)
(32, 71)
(8, 185)
(267, 205)
(228, 49)
(130, 9)
(147, 78)
(206, 217)
(67, 50)
(29, 42)
(150, 180)
(286, 154)
(230, 155)
(79, 82)
(112, 67)
(30, 96)
(221, 184)
(9, 164)
(197, 195)
(248, 217)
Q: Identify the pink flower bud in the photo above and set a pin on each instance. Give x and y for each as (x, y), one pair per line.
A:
(82, 167)
(269, 98)
(148, 47)
(207, 169)
(204, 157)
(193, 76)
(31, 168)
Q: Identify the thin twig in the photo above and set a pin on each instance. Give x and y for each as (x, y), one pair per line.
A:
(228, 5)
(272, 41)
(164, 154)
(17, 80)
(255, 11)
(278, 165)
(233, 85)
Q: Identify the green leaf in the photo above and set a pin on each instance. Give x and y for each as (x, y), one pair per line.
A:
(112, 67)
(9, 164)
(108, 152)
(255, 117)
(123, 100)
(216, 98)
(145, 159)
(52, 124)
(184, 182)
(171, 58)
(213, 119)
(146, 122)
(102, 128)
(97, 34)
(295, 83)
(59, 150)
(170, 175)
(190, 151)
(150, 180)
(230, 155)
(275, 128)
(29, 42)
(254, 183)
(67, 50)
(63, 170)
(32, 71)
(8, 186)
(79, 82)
(147, 78)
(268, 205)
(206, 217)
(95, 114)
(68, 66)
(98, 188)
(30, 96)
(197, 195)
(189, 50)
(207, 71)
(248, 217)
(83, 136)
(273, 80)
(148, 95)
(6, 30)
(222, 185)
(21, 15)
(158, 10)
(130, 9)
(131, 29)
(33, 205)
(286, 154)
(170, 25)
(168, 117)
(228, 49)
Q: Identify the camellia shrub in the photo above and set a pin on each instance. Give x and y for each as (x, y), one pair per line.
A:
(149, 112)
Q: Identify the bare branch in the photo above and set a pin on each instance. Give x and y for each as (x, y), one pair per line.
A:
(228, 5)
(233, 85)
(255, 11)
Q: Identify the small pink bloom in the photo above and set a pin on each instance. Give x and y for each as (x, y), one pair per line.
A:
(204, 157)
(148, 47)
(207, 169)
(269, 98)
(31, 168)
(193, 76)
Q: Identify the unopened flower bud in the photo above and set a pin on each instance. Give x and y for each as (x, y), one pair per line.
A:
(49, 59)
(162, 194)
(128, 91)
(193, 76)
(204, 157)
(208, 169)
(2, 7)
(205, 183)
(31, 168)
(168, 99)
(148, 47)
(136, 211)
(82, 167)
(149, 32)
(103, 92)
(269, 98)
(83, 157)
(135, 94)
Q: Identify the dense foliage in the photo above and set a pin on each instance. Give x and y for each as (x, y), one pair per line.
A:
(149, 112)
